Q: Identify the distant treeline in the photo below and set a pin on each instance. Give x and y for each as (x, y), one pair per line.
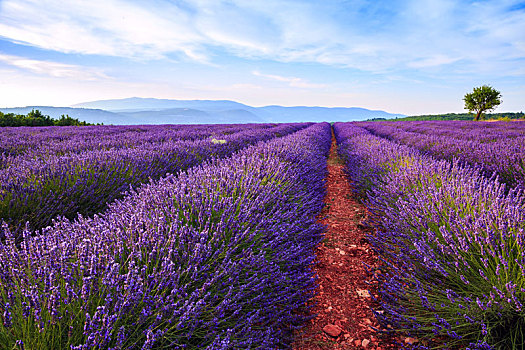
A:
(458, 116)
(36, 118)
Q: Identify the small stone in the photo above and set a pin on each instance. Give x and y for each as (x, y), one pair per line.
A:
(411, 341)
(332, 330)
(346, 335)
(367, 321)
(357, 342)
(342, 252)
(363, 293)
(365, 343)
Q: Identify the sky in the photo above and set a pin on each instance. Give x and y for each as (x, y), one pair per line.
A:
(409, 57)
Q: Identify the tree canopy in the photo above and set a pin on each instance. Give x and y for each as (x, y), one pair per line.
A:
(36, 118)
(483, 98)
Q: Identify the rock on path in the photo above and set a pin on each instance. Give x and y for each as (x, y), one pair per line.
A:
(344, 318)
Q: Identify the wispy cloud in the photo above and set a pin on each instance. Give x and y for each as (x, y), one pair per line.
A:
(53, 69)
(376, 36)
(113, 27)
(291, 81)
(437, 60)
(271, 51)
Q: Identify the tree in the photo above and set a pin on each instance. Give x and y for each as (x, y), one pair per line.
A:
(483, 98)
(36, 118)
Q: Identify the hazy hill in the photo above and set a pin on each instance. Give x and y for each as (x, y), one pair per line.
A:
(193, 116)
(144, 104)
(163, 111)
(317, 114)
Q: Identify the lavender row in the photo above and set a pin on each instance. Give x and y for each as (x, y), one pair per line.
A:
(501, 153)
(451, 242)
(467, 130)
(41, 142)
(39, 191)
(216, 258)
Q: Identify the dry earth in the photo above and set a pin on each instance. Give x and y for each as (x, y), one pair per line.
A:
(343, 303)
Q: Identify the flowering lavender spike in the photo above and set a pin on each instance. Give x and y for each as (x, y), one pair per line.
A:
(450, 240)
(217, 257)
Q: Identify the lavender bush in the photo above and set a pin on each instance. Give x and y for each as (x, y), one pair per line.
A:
(216, 258)
(497, 147)
(39, 142)
(451, 243)
(37, 191)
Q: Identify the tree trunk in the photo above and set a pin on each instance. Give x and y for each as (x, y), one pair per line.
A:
(477, 116)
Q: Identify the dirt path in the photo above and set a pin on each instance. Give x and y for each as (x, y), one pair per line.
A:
(343, 302)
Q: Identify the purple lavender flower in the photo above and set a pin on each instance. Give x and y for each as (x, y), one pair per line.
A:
(448, 234)
(217, 256)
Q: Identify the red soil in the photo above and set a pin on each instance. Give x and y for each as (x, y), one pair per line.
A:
(343, 303)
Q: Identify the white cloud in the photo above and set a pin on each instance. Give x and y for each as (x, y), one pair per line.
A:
(291, 81)
(114, 28)
(375, 36)
(20, 88)
(53, 69)
(437, 60)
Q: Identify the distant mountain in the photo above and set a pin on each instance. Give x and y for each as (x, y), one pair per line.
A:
(239, 116)
(135, 110)
(193, 116)
(318, 114)
(134, 104)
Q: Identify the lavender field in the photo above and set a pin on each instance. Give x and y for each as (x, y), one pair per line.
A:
(496, 148)
(204, 236)
(447, 205)
(201, 255)
(48, 172)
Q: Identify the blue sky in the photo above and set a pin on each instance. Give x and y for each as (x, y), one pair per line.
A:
(410, 57)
